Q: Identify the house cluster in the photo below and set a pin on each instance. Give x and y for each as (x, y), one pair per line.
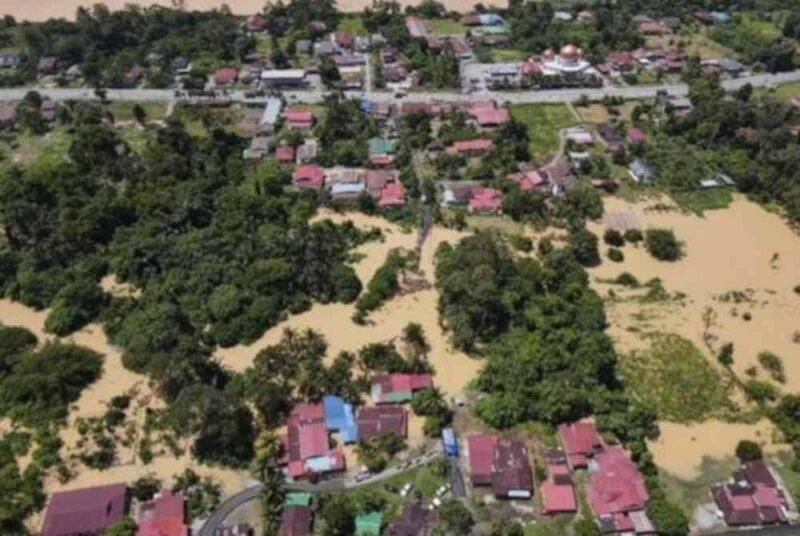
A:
(491, 28)
(753, 497)
(307, 447)
(93, 510)
(350, 184)
(616, 490)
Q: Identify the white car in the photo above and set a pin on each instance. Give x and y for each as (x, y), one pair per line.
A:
(437, 502)
(442, 490)
(405, 489)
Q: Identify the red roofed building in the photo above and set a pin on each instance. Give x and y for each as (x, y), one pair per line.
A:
(309, 176)
(165, 515)
(486, 114)
(652, 27)
(298, 118)
(284, 154)
(754, 498)
(379, 420)
(256, 23)
(621, 61)
(500, 463)
(471, 147)
(306, 444)
(636, 135)
(416, 27)
(530, 67)
(226, 76)
(558, 491)
(398, 388)
(344, 39)
(529, 180)
(480, 449)
(485, 200)
(581, 442)
(86, 511)
(296, 521)
(617, 493)
(393, 195)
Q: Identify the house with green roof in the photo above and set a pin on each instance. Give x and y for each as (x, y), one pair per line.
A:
(369, 524)
(297, 499)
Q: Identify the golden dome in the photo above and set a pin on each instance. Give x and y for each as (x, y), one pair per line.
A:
(569, 51)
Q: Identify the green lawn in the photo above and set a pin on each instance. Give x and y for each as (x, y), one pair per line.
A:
(445, 26)
(123, 111)
(785, 92)
(543, 122)
(698, 201)
(503, 55)
(674, 378)
(353, 24)
(688, 494)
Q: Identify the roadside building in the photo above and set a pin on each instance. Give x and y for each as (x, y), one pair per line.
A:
(344, 40)
(369, 524)
(299, 118)
(284, 154)
(284, 78)
(581, 442)
(271, 115)
(381, 151)
(12, 60)
(392, 196)
(485, 200)
(165, 515)
(85, 511)
(578, 136)
(529, 180)
(48, 65)
(257, 148)
(296, 521)
(487, 115)
(340, 417)
(398, 388)
(306, 444)
(226, 76)
(501, 464)
(450, 442)
(375, 421)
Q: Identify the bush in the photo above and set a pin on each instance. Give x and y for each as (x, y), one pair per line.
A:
(627, 279)
(616, 255)
(583, 245)
(521, 243)
(759, 391)
(662, 244)
(725, 356)
(612, 237)
(633, 236)
(748, 451)
(772, 364)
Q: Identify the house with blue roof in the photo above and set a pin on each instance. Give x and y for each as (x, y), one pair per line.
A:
(339, 417)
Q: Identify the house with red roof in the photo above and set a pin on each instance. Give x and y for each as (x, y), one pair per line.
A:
(653, 27)
(471, 147)
(255, 23)
(309, 176)
(501, 464)
(416, 27)
(485, 200)
(753, 498)
(379, 420)
(226, 76)
(284, 154)
(393, 195)
(86, 511)
(636, 136)
(488, 115)
(298, 118)
(617, 493)
(344, 40)
(558, 491)
(398, 388)
(296, 521)
(529, 180)
(581, 442)
(306, 443)
(165, 515)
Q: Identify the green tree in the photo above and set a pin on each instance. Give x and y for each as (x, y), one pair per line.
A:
(124, 527)
(454, 518)
(725, 356)
(748, 451)
(662, 244)
(583, 244)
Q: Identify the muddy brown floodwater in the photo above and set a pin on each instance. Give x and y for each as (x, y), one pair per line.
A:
(39, 10)
(741, 248)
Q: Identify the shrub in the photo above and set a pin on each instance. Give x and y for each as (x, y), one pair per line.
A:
(662, 244)
(772, 364)
(760, 391)
(612, 237)
(583, 245)
(725, 356)
(521, 243)
(627, 279)
(615, 255)
(633, 236)
(748, 451)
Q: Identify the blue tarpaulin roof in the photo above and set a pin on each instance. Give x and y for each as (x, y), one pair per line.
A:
(339, 416)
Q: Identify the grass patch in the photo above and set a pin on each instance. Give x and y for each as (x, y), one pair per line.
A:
(688, 494)
(675, 379)
(783, 462)
(445, 26)
(698, 201)
(123, 111)
(502, 55)
(550, 526)
(50, 148)
(353, 24)
(543, 122)
(783, 92)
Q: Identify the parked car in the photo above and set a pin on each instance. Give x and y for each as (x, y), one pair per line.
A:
(405, 490)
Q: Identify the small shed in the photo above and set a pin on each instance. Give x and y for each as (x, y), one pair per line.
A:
(450, 442)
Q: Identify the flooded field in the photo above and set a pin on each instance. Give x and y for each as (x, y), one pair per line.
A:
(739, 260)
(39, 10)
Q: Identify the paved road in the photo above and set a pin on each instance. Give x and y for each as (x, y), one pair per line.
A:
(513, 97)
(225, 509)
